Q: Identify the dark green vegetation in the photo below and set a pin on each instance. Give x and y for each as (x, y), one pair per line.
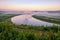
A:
(48, 19)
(4, 17)
(10, 31)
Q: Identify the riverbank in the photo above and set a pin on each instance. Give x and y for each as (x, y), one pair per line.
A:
(48, 19)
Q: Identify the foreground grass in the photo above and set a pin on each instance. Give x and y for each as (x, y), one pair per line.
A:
(10, 31)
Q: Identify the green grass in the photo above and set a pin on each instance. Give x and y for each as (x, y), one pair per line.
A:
(48, 19)
(3, 17)
(10, 31)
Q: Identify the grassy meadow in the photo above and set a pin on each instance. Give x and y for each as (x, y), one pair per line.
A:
(10, 31)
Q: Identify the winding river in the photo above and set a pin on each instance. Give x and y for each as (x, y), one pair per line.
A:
(29, 20)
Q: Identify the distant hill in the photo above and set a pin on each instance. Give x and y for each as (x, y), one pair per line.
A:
(54, 11)
(1, 12)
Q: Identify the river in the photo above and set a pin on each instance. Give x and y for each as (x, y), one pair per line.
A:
(29, 20)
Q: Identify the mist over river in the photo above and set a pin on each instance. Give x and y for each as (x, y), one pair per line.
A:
(29, 20)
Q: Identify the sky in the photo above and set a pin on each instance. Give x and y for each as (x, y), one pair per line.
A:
(29, 5)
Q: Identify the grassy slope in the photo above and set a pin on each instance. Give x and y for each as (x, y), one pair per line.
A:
(9, 31)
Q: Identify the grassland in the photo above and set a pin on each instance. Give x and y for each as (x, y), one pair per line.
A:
(48, 19)
(10, 31)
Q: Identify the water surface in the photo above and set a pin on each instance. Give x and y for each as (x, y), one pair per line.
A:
(29, 20)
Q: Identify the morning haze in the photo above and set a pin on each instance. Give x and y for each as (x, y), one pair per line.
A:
(29, 19)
